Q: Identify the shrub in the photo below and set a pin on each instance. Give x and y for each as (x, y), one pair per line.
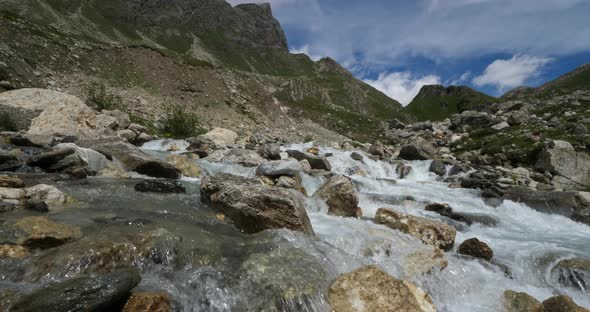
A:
(99, 98)
(180, 123)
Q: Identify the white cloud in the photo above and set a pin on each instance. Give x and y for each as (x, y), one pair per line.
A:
(306, 50)
(461, 80)
(402, 86)
(514, 72)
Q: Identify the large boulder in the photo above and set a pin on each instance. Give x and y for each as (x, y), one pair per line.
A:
(438, 167)
(570, 168)
(471, 120)
(253, 207)
(369, 289)
(316, 162)
(429, 231)
(420, 149)
(22, 105)
(475, 248)
(244, 157)
(220, 137)
(270, 151)
(94, 160)
(290, 167)
(377, 149)
(48, 194)
(132, 158)
(38, 232)
(521, 302)
(574, 205)
(340, 195)
(562, 303)
(88, 293)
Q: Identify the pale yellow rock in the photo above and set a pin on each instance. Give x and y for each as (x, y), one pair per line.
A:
(187, 167)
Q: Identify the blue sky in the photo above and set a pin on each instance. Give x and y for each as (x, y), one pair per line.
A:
(399, 45)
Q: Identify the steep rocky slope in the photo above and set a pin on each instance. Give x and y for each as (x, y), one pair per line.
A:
(230, 65)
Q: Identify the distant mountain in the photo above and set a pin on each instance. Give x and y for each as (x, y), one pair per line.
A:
(436, 102)
(244, 39)
(578, 79)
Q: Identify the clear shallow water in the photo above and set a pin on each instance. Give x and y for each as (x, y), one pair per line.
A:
(221, 269)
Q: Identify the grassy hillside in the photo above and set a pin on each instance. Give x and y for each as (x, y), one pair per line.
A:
(437, 102)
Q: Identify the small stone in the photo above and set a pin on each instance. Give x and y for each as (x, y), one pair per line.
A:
(313, 150)
(356, 156)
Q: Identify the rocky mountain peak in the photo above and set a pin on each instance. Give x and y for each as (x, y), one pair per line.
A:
(327, 64)
(439, 90)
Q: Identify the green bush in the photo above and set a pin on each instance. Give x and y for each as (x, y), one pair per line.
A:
(180, 123)
(6, 123)
(99, 98)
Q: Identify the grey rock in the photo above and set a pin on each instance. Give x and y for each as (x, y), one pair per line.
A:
(290, 167)
(571, 168)
(356, 156)
(244, 157)
(92, 293)
(316, 162)
(438, 167)
(418, 150)
(270, 151)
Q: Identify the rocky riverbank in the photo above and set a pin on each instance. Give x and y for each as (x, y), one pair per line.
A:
(95, 207)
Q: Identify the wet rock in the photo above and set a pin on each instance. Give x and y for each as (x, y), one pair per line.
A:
(239, 156)
(403, 170)
(6, 206)
(290, 167)
(9, 162)
(305, 166)
(11, 182)
(574, 273)
(369, 289)
(562, 303)
(92, 159)
(313, 150)
(38, 232)
(48, 194)
(316, 162)
(132, 158)
(220, 137)
(214, 183)
(253, 208)
(521, 302)
(340, 195)
(270, 151)
(430, 232)
(13, 252)
(92, 293)
(160, 186)
(45, 160)
(438, 167)
(356, 156)
(418, 150)
(185, 165)
(36, 205)
(148, 302)
(201, 147)
(475, 248)
(287, 182)
(427, 260)
(12, 193)
(377, 149)
(570, 168)
(468, 218)
(110, 249)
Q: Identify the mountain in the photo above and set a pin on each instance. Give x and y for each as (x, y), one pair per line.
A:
(237, 56)
(436, 102)
(578, 79)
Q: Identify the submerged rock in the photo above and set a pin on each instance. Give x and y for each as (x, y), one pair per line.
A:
(403, 170)
(429, 231)
(340, 195)
(562, 303)
(148, 302)
(521, 302)
(369, 289)
(38, 232)
(92, 293)
(475, 248)
(253, 207)
(468, 218)
(160, 186)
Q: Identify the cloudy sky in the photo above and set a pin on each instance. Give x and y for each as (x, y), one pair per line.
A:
(400, 45)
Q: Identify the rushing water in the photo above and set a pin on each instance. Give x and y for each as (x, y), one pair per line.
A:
(231, 271)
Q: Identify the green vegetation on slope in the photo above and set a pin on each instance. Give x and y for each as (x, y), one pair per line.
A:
(437, 103)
